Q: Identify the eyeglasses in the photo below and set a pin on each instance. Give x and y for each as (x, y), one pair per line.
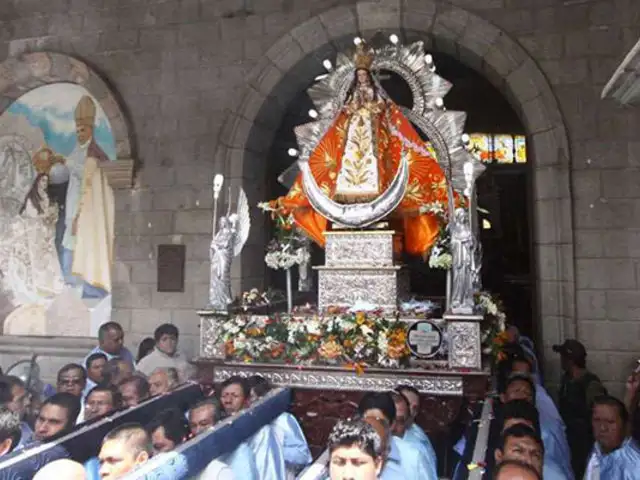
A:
(70, 381)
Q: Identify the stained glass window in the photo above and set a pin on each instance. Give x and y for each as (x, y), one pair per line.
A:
(480, 146)
(503, 148)
(521, 149)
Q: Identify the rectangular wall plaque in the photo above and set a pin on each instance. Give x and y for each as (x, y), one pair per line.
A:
(171, 260)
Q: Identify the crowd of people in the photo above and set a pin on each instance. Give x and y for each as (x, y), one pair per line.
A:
(587, 435)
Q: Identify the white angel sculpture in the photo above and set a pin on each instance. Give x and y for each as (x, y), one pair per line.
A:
(226, 244)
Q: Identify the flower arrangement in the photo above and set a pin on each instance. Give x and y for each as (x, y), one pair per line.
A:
(493, 327)
(288, 247)
(254, 298)
(356, 340)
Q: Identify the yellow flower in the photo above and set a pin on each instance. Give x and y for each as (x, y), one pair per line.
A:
(360, 318)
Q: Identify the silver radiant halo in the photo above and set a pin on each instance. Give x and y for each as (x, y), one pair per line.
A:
(444, 129)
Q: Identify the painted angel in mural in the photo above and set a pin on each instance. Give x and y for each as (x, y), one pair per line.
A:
(358, 158)
(31, 272)
(87, 251)
(227, 243)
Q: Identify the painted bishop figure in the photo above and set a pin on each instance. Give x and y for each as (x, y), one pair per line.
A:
(89, 210)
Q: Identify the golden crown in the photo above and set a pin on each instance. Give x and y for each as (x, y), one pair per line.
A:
(363, 57)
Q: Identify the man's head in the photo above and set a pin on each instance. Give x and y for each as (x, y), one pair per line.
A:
(355, 450)
(403, 414)
(520, 412)
(134, 390)
(72, 379)
(115, 371)
(101, 400)
(63, 469)
(203, 415)
(95, 364)
(14, 395)
(413, 397)
(378, 405)
(168, 429)
(166, 338)
(514, 470)
(9, 430)
(383, 429)
(234, 394)
(163, 380)
(609, 419)
(111, 337)
(518, 387)
(123, 449)
(259, 387)
(57, 416)
(572, 355)
(522, 444)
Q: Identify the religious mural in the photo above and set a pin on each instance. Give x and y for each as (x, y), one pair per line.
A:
(56, 207)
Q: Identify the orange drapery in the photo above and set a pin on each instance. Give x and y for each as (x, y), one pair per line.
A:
(426, 186)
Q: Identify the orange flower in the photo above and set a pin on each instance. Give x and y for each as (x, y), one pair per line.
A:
(330, 350)
(360, 318)
(396, 351)
(348, 343)
(229, 348)
(502, 356)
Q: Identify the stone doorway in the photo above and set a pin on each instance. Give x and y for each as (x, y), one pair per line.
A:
(293, 61)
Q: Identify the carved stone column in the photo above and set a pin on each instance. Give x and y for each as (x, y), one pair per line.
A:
(211, 346)
(465, 349)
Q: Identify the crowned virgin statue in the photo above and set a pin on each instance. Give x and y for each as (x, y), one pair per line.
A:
(359, 156)
(31, 271)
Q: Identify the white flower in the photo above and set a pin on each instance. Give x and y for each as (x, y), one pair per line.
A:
(314, 327)
(368, 332)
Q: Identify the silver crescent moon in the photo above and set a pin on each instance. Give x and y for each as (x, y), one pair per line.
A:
(357, 215)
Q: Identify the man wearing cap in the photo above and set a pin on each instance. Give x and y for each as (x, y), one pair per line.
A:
(89, 209)
(578, 390)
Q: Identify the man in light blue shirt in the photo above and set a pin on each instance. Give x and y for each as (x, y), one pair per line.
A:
(287, 429)
(413, 432)
(614, 456)
(204, 415)
(411, 459)
(111, 344)
(235, 396)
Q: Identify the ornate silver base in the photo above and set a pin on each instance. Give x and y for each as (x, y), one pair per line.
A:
(210, 346)
(465, 349)
(359, 268)
(344, 287)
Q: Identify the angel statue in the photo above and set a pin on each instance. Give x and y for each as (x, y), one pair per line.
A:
(226, 244)
(462, 252)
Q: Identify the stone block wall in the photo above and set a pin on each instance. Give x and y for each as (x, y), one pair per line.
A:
(204, 83)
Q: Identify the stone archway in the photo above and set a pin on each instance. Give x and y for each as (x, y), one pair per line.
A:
(18, 75)
(249, 128)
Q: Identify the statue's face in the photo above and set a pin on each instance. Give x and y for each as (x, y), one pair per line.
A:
(42, 183)
(363, 77)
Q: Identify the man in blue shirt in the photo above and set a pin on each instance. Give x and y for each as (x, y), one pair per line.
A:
(615, 456)
(411, 459)
(111, 343)
(15, 397)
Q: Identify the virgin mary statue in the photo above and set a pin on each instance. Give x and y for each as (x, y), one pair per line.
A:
(358, 157)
